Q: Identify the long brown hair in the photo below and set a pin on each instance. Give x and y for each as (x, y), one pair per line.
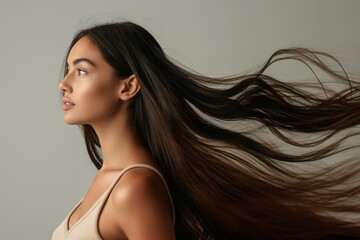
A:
(210, 138)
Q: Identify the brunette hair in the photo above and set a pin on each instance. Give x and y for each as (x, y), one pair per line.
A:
(228, 181)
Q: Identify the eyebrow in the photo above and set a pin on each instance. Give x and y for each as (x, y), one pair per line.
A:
(77, 61)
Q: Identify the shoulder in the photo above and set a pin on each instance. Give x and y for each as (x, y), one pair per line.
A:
(141, 202)
(136, 183)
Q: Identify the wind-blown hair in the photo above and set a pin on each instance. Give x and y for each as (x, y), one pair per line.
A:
(231, 182)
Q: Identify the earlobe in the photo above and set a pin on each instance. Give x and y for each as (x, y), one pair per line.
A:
(129, 88)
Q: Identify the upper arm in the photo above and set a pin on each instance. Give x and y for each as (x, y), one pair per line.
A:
(142, 206)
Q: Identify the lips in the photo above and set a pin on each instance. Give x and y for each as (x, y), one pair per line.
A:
(67, 104)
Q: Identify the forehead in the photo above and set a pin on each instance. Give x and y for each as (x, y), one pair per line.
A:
(84, 48)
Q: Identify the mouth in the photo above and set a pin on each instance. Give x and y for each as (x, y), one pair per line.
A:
(67, 104)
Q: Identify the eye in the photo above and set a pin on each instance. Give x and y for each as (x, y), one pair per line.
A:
(81, 72)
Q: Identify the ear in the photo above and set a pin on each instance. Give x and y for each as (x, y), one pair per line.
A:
(129, 87)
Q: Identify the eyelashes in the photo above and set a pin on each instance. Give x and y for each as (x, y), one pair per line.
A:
(79, 71)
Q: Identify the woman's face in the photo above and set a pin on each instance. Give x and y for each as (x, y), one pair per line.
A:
(90, 86)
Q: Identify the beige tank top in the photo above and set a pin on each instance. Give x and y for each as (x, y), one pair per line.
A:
(87, 226)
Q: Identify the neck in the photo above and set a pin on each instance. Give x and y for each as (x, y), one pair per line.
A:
(119, 145)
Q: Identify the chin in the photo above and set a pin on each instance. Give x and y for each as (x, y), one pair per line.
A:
(71, 121)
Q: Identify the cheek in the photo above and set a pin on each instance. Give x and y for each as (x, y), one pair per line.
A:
(97, 100)
(95, 92)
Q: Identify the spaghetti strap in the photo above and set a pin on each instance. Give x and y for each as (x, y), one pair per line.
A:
(140, 165)
(87, 226)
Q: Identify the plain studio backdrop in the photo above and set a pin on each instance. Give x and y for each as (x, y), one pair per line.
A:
(45, 169)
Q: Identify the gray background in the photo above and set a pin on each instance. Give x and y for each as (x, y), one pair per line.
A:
(44, 166)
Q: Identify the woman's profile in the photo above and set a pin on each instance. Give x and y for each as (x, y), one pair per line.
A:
(171, 164)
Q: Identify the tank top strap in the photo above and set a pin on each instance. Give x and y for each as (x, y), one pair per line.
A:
(112, 186)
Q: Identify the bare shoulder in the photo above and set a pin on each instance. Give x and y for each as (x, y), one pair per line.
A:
(142, 205)
(139, 184)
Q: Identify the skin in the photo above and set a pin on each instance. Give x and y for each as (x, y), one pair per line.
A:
(139, 207)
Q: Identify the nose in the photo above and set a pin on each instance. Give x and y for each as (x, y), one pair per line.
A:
(64, 85)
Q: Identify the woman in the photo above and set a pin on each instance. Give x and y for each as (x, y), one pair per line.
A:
(170, 164)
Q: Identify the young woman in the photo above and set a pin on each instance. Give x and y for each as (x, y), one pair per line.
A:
(172, 164)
